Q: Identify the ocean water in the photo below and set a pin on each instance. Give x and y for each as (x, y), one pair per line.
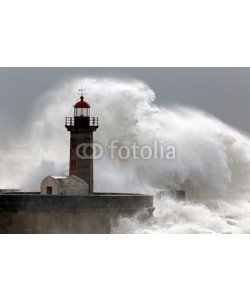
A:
(173, 216)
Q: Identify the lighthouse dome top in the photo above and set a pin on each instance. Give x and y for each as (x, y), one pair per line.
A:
(81, 103)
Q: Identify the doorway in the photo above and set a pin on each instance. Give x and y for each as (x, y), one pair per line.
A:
(49, 190)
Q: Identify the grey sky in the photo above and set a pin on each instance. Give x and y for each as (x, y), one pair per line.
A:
(223, 92)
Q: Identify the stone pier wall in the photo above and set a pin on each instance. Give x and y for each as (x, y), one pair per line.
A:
(35, 213)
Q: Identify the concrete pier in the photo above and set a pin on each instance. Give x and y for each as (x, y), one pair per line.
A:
(36, 213)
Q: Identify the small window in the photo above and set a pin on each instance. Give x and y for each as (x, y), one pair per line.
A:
(73, 143)
(73, 165)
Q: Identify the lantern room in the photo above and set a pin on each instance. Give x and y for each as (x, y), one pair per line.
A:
(81, 108)
(81, 119)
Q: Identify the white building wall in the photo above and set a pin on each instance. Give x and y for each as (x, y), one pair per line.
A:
(49, 182)
(70, 185)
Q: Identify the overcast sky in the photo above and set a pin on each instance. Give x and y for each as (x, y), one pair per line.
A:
(223, 92)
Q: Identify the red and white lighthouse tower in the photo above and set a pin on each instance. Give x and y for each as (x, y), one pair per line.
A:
(81, 128)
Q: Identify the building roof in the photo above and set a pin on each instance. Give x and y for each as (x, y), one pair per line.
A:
(81, 103)
(64, 180)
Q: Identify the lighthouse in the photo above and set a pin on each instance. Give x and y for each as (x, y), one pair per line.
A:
(67, 203)
(81, 128)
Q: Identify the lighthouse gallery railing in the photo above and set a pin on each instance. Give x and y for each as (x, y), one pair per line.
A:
(70, 121)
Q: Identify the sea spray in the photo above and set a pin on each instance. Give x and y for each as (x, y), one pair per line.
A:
(212, 159)
(173, 216)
